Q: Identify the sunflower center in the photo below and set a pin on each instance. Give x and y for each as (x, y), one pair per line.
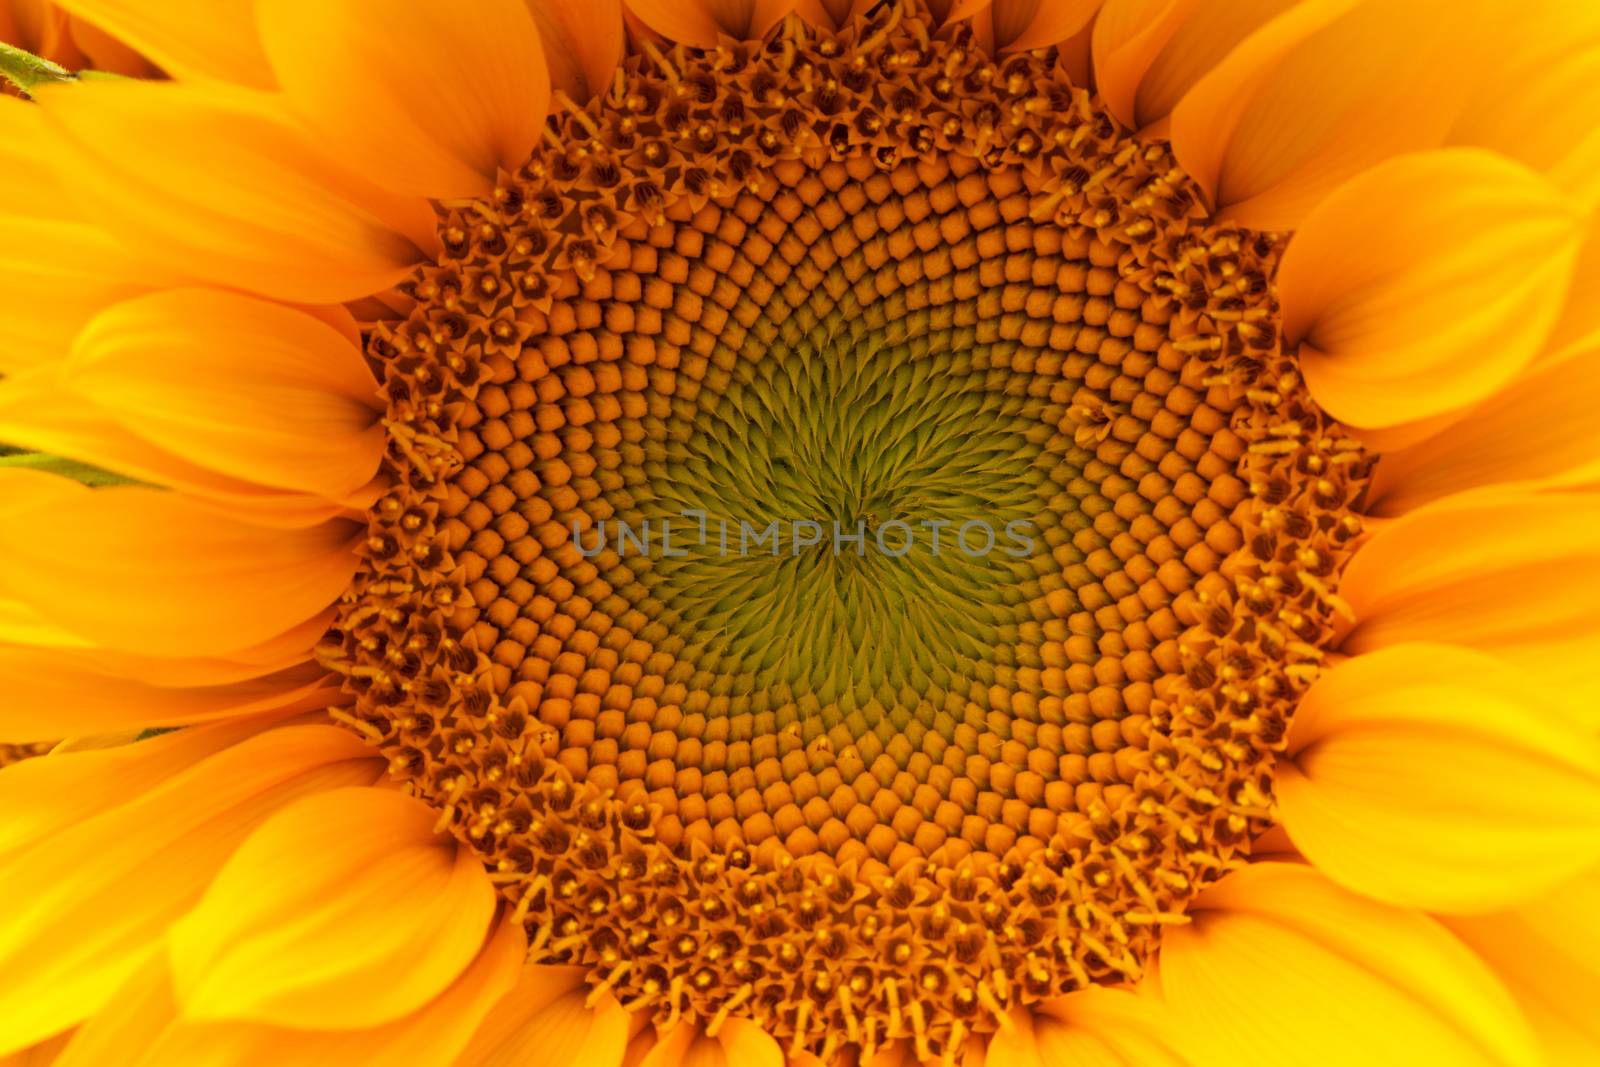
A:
(856, 542)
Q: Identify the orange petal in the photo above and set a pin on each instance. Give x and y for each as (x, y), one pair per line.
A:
(832, 14)
(204, 39)
(1288, 115)
(1547, 952)
(583, 43)
(1539, 96)
(546, 1018)
(1128, 36)
(105, 52)
(1282, 966)
(1023, 25)
(1431, 776)
(54, 693)
(430, 99)
(1426, 284)
(343, 911)
(1150, 53)
(1539, 429)
(156, 573)
(263, 392)
(737, 1043)
(38, 412)
(236, 195)
(1515, 574)
(701, 23)
(44, 1054)
(73, 930)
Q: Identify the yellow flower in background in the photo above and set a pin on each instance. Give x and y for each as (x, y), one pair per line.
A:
(522, 634)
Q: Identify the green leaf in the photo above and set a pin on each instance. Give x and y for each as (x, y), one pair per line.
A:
(27, 71)
(93, 477)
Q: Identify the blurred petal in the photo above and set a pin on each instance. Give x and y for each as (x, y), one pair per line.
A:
(1426, 284)
(1547, 952)
(205, 39)
(28, 184)
(1539, 96)
(1281, 966)
(1431, 777)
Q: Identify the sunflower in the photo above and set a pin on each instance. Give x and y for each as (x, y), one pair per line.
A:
(804, 532)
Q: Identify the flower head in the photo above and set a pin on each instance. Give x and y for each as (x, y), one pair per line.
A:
(831, 533)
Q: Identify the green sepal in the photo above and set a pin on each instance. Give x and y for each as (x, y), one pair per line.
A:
(87, 474)
(27, 71)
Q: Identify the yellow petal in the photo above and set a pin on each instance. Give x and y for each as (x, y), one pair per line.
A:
(144, 1026)
(156, 573)
(1281, 966)
(260, 391)
(583, 43)
(1320, 94)
(1547, 952)
(1150, 53)
(429, 99)
(701, 23)
(55, 276)
(546, 1018)
(205, 39)
(1426, 284)
(235, 195)
(1432, 777)
(42, 796)
(86, 905)
(1514, 574)
(1539, 429)
(344, 910)
(39, 412)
